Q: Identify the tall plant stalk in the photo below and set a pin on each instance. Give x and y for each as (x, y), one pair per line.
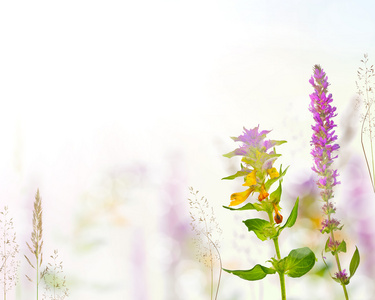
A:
(278, 255)
(37, 242)
(205, 225)
(365, 91)
(9, 250)
(323, 142)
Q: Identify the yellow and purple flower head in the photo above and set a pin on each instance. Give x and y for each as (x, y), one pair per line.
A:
(258, 156)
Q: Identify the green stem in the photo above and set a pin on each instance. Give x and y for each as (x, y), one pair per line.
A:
(281, 275)
(339, 266)
(276, 242)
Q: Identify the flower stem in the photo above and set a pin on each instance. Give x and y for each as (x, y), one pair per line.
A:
(281, 274)
(339, 266)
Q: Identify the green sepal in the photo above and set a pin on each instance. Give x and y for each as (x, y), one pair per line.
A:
(292, 217)
(238, 174)
(262, 228)
(299, 262)
(354, 263)
(278, 143)
(248, 206)
(268, 183)
(230, 154)
(256, 273)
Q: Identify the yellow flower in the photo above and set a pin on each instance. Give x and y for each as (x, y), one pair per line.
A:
(263, 193)
(238, 198)
(273, 173)
(250, 179)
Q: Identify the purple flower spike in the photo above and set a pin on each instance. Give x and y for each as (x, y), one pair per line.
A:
(323, 137)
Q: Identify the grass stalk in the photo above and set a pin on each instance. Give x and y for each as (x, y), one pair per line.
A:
(37, 242)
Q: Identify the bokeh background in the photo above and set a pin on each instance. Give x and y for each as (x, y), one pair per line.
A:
(114, 108)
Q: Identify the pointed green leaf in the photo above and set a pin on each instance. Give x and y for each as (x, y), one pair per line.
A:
(341, 247)
(256, 273)
(261, 228)
(248, 206)
(299, 262)
(277, 143)
(273, 180)
(230, 154)
(354, 263)
(326, 248)
(276, 195)
(292, 217)
(238, 174)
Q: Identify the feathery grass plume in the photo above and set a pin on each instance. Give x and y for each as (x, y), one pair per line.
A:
(204, 224)
(9, 249)
(55, 283)
(365, 91)
(37, 242)
(323, 142)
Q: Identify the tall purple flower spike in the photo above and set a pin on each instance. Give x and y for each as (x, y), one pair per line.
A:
(324, 136)
(323, 142)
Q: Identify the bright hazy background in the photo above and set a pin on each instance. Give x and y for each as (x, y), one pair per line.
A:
(114, 108)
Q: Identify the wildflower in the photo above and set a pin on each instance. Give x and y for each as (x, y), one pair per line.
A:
(257, 163)
(342, 276)
(273, 173)
(330, 225)
(333, 245)
(262, 193)
(323, 136)
(250, 179)
(238, 198)
(323, 142)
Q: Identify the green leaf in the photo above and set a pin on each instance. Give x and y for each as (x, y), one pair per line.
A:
(276, 195)
(292, 217)
(238, 174)
(277, 143)
(299, 262)
(256, 273)
(341, 247)
(248, 206)
(268, 184)
(230, 154)
(261, 228)
(354, 263)
(326, 248)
